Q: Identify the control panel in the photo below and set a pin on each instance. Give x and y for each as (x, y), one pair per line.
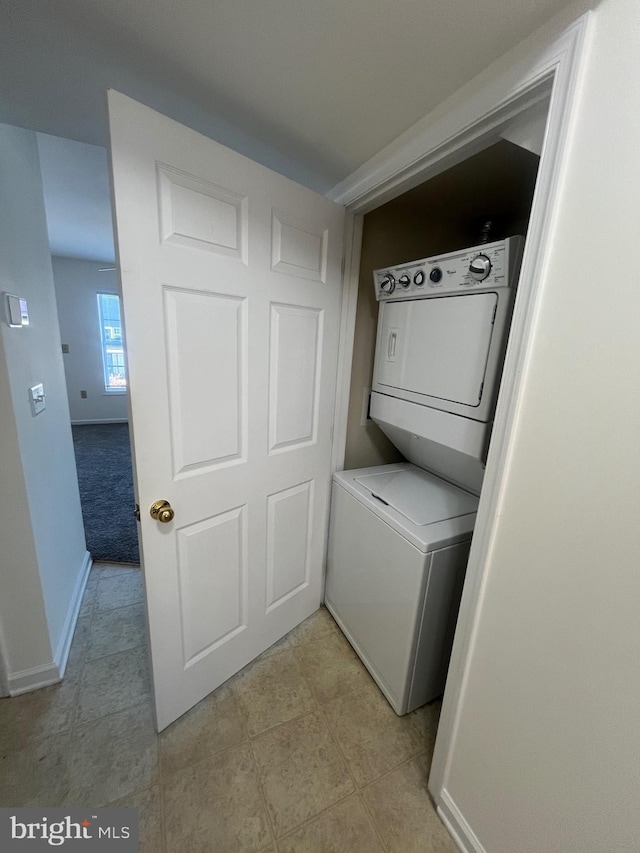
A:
(481, 267)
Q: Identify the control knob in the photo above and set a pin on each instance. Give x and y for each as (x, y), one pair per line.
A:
(480, 267)
(435, 275)
(404, 280)
(388, 284)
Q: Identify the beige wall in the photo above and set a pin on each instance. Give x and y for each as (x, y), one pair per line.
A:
(545, 753)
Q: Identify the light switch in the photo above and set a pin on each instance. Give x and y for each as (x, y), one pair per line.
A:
(15, 310)
(13, 314)
(36, 398)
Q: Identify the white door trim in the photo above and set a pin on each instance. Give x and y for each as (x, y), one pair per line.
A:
(466, 123)
(350, 275)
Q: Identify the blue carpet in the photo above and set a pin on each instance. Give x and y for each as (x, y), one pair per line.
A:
(103, 460)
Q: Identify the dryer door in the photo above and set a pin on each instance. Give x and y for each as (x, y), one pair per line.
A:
(436, 349)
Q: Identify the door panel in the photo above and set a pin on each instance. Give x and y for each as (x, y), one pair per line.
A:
(201, 215)
(207, 413)
(295, 359)
(298, 251)
(231, 281)
(289, 519)
(212, 604)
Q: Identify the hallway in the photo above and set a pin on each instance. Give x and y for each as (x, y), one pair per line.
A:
(298, 753)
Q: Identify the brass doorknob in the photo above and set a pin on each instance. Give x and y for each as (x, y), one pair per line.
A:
(162, 511)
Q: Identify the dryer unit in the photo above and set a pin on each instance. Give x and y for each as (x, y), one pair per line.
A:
(442, 333)
(400, 535)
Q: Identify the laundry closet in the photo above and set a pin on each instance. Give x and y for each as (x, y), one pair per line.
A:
(403, 510)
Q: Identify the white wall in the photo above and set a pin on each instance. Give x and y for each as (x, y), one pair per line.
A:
(43, 552)
(545, 754)
(76, 285)
(23, 620)
(77, 199)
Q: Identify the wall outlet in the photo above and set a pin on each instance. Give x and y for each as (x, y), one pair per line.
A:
(84, 395)
(36, 398)
(65, 348)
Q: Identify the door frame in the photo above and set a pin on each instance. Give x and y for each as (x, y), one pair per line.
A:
(546, 67)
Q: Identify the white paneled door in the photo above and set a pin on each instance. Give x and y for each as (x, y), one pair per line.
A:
(231, 281)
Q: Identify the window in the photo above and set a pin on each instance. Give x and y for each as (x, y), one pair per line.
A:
(115, 379)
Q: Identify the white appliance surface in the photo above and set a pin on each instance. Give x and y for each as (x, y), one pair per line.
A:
(445, 352)
(419, 496)
(437, 347)
(442, 334)
(394, 585)
(436, 532)
(490, 265)
(399, 535)
(454, 448)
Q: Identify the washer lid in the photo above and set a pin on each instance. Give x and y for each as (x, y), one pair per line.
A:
(419, 496)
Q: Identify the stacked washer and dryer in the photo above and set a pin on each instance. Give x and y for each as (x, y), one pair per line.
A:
(400, 534)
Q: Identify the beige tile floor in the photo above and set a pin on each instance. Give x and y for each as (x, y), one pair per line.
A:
(298, 753)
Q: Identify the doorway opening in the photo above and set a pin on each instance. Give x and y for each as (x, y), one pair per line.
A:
(75, 185)
(485, 197)
(105, 480)
(99, 417)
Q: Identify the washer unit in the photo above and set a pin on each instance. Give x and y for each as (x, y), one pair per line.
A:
(398, 545)
(400, 534)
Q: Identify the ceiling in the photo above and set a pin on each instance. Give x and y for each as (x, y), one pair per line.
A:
(311, 89)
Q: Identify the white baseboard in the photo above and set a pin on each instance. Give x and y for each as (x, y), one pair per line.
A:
(47, 674)
(33, 679)
(66, 635)
(458, 827)
(101, 421)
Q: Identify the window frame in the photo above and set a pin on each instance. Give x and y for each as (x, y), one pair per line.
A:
(108, 320)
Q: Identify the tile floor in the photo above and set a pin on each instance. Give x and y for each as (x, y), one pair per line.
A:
(298, 753)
